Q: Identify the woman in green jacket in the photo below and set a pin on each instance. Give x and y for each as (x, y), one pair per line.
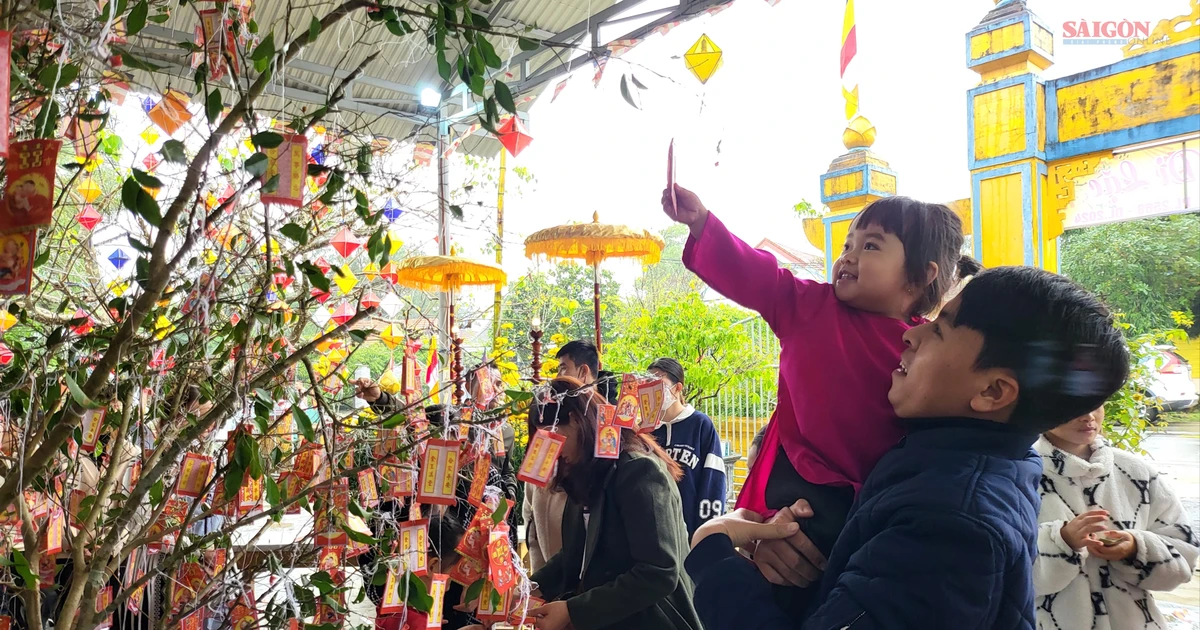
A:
(624, 539)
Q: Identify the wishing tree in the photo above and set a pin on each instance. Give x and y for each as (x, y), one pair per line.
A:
(172, 370)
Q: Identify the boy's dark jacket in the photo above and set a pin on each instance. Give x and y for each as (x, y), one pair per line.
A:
(943, 534)
(630, 556)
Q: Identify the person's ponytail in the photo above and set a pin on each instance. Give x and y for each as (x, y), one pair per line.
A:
(967, 267)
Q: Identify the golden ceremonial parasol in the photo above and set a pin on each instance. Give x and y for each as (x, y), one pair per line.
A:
(592, 243)
(448, 273)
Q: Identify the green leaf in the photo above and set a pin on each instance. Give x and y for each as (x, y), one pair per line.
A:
(265, 50)
(256, 164)
(473, 591)
(504, 97)
(135, 63)
(136, 20)
(46, 121)
(394, 421)
(77, 394)
(501, 511)
(272, 490)
(457, 212)
(156, 493)
(41, 258)
(295, 232)
(304, 424)
(57, 76)
(173, 151)
(444, 69)
(22, 566)
(267, 139)
(489, 53)
(418, 595)
(244, 450)
(393, 27)
(314, 29)
(528, 45)
(111, 145)
(271, 185)
(233, 480)
(359, 537)
(359, 336)
(139, 201)
(146, 179)
(314, 275)
(159, 18)
(213, 106)
(636, 83)
(626, 94)
(516, 395)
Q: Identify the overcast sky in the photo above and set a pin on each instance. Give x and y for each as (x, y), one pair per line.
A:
(776, 110)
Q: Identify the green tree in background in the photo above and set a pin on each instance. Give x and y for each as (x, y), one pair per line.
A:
(716, 350)
(667, 279)
(1145, 269)
(562, 299)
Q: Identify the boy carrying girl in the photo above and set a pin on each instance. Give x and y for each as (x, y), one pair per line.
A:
(943, 534)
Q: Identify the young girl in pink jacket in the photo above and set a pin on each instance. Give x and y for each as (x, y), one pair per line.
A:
(840, 343)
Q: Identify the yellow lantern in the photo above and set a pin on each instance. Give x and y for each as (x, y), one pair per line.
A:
(88, 190)
(371, 270)
(346, 280)
(390, 338)
(703, 59)
(7, 320)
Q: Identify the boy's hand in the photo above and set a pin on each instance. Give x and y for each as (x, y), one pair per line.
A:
(552, 616)
(795, 561)
(687, 210)
(1123, 549)
(743, 527)
(1078, 530)
(367, 390)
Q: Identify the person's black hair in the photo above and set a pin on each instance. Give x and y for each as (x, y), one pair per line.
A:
(439, 414)
(672, 368)
(1059, 340)
(445, 532)
(581, 352)
(930, 233)
(607, 384)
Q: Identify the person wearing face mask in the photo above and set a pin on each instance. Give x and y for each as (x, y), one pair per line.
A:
(690, 438)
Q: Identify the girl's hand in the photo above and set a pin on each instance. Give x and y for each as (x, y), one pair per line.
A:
(795, 561)
(367, 390)
(743, 527)
(552, 616)
(687, 209)
(1078, 530)
(1124, 549)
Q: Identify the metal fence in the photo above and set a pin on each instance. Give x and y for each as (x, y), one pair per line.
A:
(741, 410)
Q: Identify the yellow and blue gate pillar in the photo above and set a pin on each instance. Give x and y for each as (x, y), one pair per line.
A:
(1006, 138)
(854, 179)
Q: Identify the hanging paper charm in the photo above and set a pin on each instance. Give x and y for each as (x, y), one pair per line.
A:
(703, 59)
(29, 192)
(513, 135)
(288, 161)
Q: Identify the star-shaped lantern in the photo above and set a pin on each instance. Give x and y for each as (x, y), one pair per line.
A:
(118, 258)
(513, 135)
(88, 217)
(343, 313)
(345, 242)
(370, 300)
(391, 210)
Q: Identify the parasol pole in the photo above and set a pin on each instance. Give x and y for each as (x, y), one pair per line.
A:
(499, 246)
(596, 300)
(446, 298)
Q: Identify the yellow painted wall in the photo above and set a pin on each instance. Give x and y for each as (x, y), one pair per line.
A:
(842, 184)
(1191, 351)
(1163, 91)
(1000, 221)
(739, 432)
(997, 41)
(1000, 122)
(838, 232)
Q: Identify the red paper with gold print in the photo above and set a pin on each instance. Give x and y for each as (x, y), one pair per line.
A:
(135, 569)
(288, 162)
(608, 434)
(171, 112)
(217, 40)
(518, 614)
(29, 190)
(628, 411)
(194, 621)
(414, 511)
(307, 462)
(250, 496)
(439, 473)
(492, 610)
(5, 71)
(290, 485)
(244, 614)
(52, 541)
(473, 543)
(103, 598)
(540, 458)
(650, 402)
(367, 489)
(334, 513)
(479, 479)
(392, 601)
(5, 620)
(167, 525)
(190, 580)
(401, 480)
(414, 544)
(437, 590)
(467, 571)
(409, 381)
(501, 571)
(18, 250)
(90, 425)
(194, 475)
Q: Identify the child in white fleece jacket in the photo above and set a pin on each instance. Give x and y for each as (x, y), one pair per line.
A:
(1111, 531)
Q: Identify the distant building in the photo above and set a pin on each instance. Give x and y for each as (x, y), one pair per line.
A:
(804, 262)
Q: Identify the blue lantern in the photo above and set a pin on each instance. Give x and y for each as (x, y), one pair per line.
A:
(118, 258)
(318, 154)
(147, 104)
(391, 210)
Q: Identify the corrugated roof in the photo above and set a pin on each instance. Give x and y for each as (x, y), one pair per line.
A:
(386, 94)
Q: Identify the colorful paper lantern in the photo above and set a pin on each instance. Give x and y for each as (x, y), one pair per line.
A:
(703, 59)
(391, 337)
(392, 210)
(423, 153)
(322, 264)
(389, 273)
(343, 313)
(370, 300)
(513, 135)
(6, 320)
(88, 190)
(118, 258)
(345, 242)
(393, 236)
(346, 280)
(322, 296)
(6, 355)
(391, 304)
(85, 326)
(150, 135)
(171, 112)
(371, 271)
(150, 161)
(88, 217)
(321, 316)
